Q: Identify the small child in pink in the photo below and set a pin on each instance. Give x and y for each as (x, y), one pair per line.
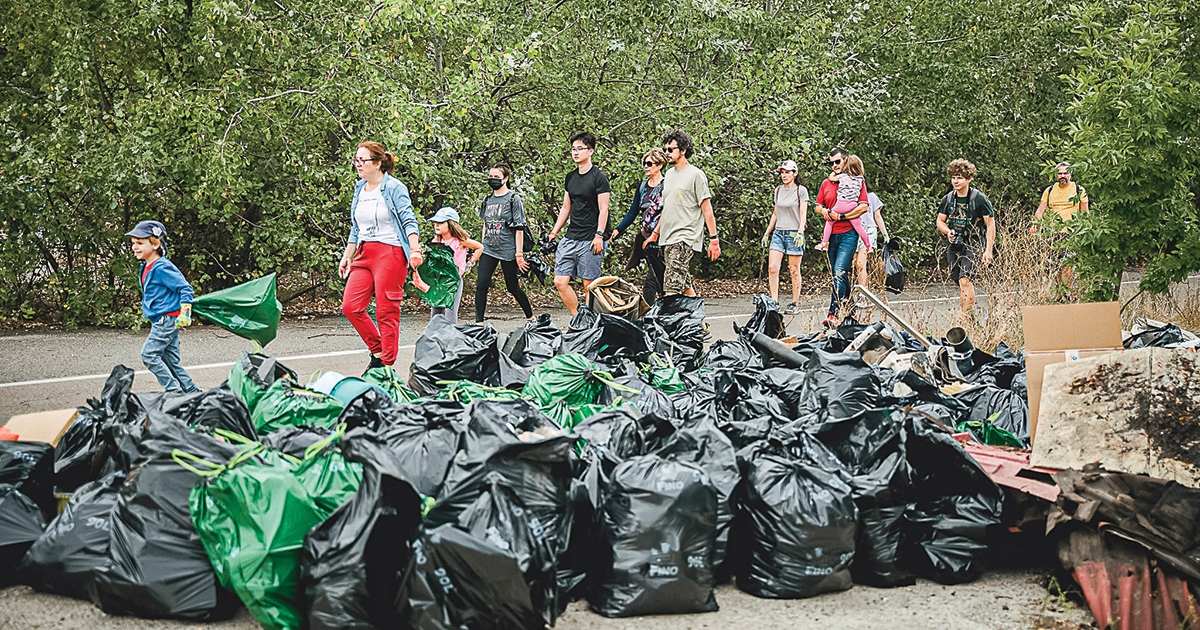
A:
(448, 232)
(850, 184)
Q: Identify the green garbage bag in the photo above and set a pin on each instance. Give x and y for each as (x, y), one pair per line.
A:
(389, 381)
(989, 433)
(251, 519)
(441, 274)
(253, 375)
(248, 310)
(287, 404)
(569, 378)
(466, 391)
(663, 376)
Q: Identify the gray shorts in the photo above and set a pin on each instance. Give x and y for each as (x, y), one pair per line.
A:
(872, 233)
(575, 259)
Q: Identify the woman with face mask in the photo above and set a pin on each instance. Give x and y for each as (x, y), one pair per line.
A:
(503, 216)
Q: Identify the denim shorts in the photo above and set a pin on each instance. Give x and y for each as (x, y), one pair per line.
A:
(576, 259)
(790, 242)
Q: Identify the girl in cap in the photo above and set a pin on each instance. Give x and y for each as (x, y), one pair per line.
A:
(785, 231)
(384, 241)
(166, 302)
(448, 232)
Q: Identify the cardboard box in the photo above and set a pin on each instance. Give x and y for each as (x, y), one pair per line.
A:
(1065, 332)
(47, 426)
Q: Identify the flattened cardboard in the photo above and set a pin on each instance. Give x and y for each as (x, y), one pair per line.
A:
(46, 426)
(1065, 332)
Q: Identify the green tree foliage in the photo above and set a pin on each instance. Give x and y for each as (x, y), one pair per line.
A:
(1136, 115)
(234, 121)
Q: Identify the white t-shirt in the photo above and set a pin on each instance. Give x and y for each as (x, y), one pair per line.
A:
(374, 221)
(873, 204)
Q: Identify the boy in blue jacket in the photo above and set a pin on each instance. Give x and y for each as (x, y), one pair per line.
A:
(166, 302)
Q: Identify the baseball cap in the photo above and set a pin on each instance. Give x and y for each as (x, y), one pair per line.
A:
(788, 165)
(445, 213)
(146, 229)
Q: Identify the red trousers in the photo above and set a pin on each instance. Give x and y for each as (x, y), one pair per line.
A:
(379, 270)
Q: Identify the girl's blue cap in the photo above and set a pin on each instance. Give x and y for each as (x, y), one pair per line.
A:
(445, 213)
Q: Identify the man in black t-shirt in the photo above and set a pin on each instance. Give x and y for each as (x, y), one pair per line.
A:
(965, 216)
(585, 203)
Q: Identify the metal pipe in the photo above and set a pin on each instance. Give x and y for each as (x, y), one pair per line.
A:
(909, 328)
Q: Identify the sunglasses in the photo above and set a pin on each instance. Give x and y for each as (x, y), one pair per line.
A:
(648, 163)
(670, 149)
(835, 162)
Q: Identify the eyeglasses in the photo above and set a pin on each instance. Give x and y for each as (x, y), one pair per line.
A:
(360, 161)
(578, 149)
(648, 163)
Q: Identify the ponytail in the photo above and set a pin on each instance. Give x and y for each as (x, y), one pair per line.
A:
(387, 162)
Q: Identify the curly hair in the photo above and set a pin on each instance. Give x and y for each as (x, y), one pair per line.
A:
(682, 140)
(961, 168)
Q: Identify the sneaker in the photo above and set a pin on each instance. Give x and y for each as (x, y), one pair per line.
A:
(791, 309)
(376, 362)
(822, 247)
(830, 322)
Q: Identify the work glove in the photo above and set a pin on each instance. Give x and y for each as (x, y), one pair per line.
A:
(185, 316)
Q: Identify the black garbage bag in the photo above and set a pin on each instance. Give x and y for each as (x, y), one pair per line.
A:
(747, 407)
(253, 375)
(605, 440)
(21, 523)
(648, 399)
(351, 564)
(955, 504)
(512, 375)
(732, 353)
(660, 523)
(925, 397)
(499, 517)
(1160, 337)
(1000, 407)
(766, 318)
(29, 467)
(294, 441)
(217, 408)
(892, 267)
(156, 566)
(798, 520)
(700, 442)
(75, 545)
(840, 385)
(535, 457)
(456, 580)
(788, 384)
(534, 343)
(675, 325)
(80, 454)
(872, 447)
(415, 442)
(452, 352)
(619, 337)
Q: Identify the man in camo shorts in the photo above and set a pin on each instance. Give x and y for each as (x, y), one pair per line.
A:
(686, 211)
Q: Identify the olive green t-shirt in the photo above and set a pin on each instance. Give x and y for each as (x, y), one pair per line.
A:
(683, 192)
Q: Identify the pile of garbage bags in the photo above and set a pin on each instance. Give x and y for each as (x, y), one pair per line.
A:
(618, 462)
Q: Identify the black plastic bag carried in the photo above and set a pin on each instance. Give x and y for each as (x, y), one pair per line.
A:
(766, 318)
(29, 467)
(660, 524)
(81, 452)
(534, 343)
(21, 523)
(955, 504)
(456, 580)
(75, 545)
(351, 564)
(872, 447)
(156, 566)
(452, 352)
(892, 267)
(798, 520)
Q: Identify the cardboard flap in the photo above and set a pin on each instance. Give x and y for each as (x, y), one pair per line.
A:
(47, 426)
(1072, 326)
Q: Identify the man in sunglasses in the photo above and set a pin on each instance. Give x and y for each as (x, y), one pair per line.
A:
(686, 211)
(843, 240)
